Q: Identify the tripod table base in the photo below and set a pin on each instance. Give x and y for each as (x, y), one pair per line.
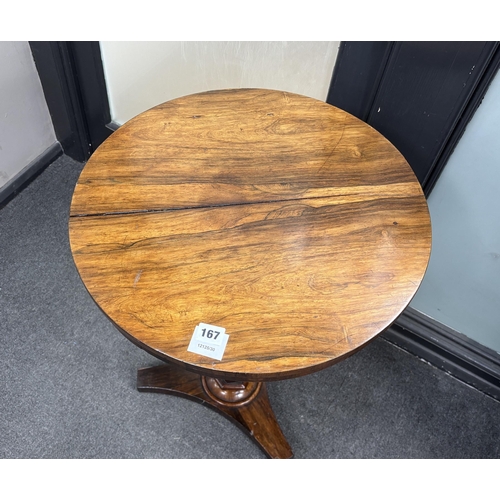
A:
(244, 403)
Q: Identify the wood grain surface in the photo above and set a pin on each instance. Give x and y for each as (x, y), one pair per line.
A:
(290, 223)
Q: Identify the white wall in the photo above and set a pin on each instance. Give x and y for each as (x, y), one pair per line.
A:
(26, 129)
(140, 75)
(462, 286)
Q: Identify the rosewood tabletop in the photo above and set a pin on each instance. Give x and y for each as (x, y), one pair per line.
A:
(295, 226)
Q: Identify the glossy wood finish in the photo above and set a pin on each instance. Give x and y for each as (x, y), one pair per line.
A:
(289, 222)
(252, 412)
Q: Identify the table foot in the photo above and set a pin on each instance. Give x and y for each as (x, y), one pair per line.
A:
(244, 403)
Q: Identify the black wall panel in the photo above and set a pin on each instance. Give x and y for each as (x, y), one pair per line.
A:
(415, 93)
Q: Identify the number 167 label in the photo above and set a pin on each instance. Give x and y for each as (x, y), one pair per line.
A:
(209, 333)
(209, 340)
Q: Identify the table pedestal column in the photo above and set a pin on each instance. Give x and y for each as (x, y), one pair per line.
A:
(244, 403)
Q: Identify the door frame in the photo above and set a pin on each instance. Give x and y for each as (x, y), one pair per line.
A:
(73, 81)
(404, 80)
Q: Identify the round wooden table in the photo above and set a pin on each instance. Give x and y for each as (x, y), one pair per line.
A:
(290, 223)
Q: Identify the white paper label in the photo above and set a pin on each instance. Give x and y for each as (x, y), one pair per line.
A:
(209, 340)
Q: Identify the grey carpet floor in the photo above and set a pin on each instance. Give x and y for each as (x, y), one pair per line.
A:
(68, 376)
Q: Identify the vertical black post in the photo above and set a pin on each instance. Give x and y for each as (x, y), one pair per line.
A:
(73, 82)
